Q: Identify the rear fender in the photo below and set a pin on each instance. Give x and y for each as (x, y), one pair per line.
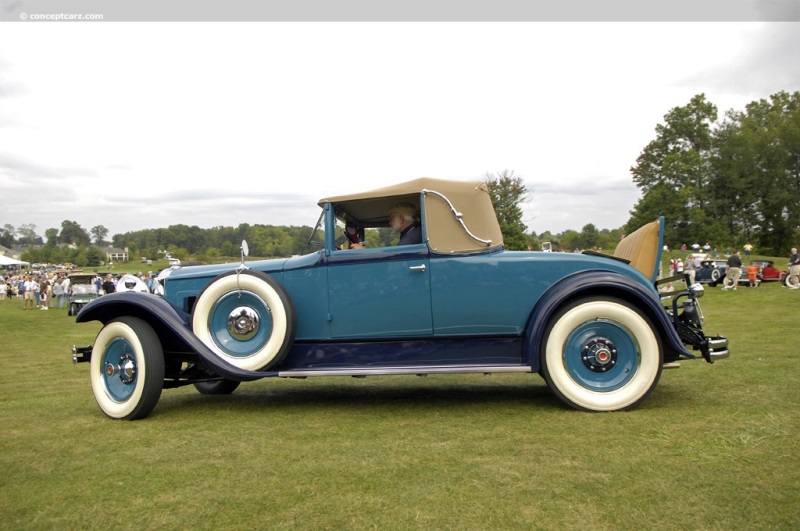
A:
(171, 323)
(590, 283)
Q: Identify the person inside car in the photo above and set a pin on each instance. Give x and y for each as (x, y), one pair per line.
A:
(402, 219)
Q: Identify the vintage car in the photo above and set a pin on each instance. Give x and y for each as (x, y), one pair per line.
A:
(591, 325)
(768, 272)
(131, 283)
(82, 291)
(710, 272)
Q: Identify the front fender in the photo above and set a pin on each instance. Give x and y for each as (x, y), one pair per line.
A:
(589, 283)
(171, 323)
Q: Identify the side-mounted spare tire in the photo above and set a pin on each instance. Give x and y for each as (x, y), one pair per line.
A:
(246, 318)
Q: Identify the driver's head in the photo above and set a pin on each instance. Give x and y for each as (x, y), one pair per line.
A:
(401, 215)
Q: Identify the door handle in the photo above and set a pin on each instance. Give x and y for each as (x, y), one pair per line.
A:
(418, 268)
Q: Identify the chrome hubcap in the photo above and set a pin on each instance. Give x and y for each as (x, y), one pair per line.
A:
(599, 355)
(243, 323)
(126, 369)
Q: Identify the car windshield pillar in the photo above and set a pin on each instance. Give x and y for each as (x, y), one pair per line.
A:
(330, 229)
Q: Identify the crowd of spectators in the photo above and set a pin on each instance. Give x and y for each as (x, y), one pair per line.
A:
(46, 290)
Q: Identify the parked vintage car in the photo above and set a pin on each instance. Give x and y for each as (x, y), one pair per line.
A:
(82, 291)
(591, 325)
(768, 272)
(710, 271)
(131, 283)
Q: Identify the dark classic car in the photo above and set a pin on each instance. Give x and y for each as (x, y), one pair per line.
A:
(592, 325)
(710, 271)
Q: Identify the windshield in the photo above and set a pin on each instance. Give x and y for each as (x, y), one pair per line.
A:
(84, 289)
(317, 238)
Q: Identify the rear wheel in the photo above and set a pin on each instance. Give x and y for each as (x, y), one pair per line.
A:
(127, 369)
(601, 354)
(217, 387)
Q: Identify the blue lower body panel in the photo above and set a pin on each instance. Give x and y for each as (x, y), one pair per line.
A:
(404, 353)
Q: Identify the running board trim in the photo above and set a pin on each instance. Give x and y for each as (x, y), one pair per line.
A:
(387, 371)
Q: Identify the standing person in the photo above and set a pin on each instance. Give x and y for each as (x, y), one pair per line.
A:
(37, 293)
(752, 275)
(733, 270)
(690, 268)
(108, 285)
(2, 289)
(44, 294)
(747, 249)
(58, 292)
(794, 269)
(28, 297)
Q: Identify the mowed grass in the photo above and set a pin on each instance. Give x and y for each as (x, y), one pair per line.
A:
(714, 446)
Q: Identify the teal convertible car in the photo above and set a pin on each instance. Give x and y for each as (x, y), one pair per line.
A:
(592, 325)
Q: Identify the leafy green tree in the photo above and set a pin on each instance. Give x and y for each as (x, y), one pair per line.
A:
(590, 237)
(758, 171)
(72, 233)
(569, 240)
(7, 235)
(508, 192)
(99, 234)
(674, 170)
(51, 235)
(27, 235)
(94, 256)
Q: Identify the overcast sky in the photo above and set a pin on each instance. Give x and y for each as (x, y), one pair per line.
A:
(144, 125)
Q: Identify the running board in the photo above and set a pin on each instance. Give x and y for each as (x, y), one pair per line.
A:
(388, 371)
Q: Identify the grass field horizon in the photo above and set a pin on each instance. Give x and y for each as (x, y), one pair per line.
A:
(713, 447)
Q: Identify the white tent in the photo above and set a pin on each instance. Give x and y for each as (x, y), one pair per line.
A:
(7, 262)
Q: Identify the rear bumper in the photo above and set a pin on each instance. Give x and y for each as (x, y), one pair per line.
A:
(717, 348)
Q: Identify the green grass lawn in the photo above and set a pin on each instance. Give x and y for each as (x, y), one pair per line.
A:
(713, 447)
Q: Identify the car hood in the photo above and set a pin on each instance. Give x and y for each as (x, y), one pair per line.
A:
(218, 269)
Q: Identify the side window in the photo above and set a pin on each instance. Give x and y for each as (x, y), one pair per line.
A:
(380, 222)
(371, 237)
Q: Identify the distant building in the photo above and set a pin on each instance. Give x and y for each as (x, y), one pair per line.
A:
(114, 254)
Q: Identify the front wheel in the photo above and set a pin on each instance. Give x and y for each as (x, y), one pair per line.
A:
(601, 354)
(790, 281)
(127, 369)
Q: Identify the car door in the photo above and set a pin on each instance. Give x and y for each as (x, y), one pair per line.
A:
(380, 293)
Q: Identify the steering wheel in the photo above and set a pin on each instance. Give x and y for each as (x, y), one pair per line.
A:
(351, 233)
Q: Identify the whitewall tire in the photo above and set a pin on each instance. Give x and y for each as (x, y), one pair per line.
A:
(601, 354)
(246, 318)
(127, 369)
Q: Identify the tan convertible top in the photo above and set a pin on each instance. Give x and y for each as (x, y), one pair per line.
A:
(446, 234)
